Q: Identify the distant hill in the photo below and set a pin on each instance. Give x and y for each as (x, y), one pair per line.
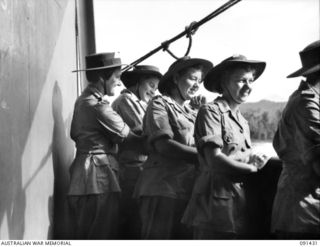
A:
(263, 117)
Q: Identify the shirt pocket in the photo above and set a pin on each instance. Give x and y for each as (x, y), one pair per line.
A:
(183, 131)
(106, 174)
(221, 188)
(182, 122)
(104, 160)
(185, 136)
(231, 143)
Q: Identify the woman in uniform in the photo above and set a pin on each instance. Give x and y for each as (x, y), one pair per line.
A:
(167, 178)
(141, 85)
(97, 130)
(217, 207)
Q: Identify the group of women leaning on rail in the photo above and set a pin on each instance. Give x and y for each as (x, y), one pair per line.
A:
(172, 166)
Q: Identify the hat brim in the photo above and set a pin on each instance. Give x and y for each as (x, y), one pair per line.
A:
(130, 78)
(167, 77)
(305, 71)
(100, 68)
(212, 81)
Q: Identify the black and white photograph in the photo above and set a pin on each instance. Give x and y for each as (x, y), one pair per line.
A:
(190, 121)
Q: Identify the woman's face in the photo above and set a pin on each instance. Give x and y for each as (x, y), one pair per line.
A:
(113, 82)
(188, 82)
(148, 87)
(237, 85)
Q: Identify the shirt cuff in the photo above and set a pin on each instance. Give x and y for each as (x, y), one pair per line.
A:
(125, 131)
(158, 134)
(122, 134)
(212, 139)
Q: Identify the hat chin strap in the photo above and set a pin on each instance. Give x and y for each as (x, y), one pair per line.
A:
(101, 85)
(229, 94)
(184, 99)
(104, 86)
(179, 92)
(138, 91)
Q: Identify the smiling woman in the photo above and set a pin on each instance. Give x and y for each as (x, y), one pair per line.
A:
(222, 137)
(141, 84)
(166, 181)
(270, 30)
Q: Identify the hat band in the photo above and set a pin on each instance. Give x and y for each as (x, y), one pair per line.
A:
(103, 63)
(310, 58)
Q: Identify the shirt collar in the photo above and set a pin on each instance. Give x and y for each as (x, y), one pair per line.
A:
(135, 98)
(224, 107)
(96, 93)
(316, 88)
(172, 102)
(222, 104)
(178, 107)
(127, 91)
(306, 88)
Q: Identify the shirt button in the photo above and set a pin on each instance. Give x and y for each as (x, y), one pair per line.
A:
(241, 130)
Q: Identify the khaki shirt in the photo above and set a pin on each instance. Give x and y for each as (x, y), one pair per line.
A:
(132, 111)
(163, 176)
(218, 199)
(297, 143)
(97, 130)
(217, 125)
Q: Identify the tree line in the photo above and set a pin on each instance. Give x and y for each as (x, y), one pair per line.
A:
(262, 124)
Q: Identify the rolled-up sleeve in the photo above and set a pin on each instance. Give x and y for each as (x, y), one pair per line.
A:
(208, 127)
(157, 123)
(111, 122)
(308, 122)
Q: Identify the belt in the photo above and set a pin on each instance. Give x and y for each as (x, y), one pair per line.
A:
(82, 151)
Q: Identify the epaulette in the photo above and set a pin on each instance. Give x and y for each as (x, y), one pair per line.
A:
(157, 96)
(168, 102)
(308, 93)
(222, 106)
(97, 95)
(126, 91)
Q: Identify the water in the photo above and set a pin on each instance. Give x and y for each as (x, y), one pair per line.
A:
(264, 147)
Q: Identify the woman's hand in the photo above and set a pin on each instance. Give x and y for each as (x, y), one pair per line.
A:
(197, 101)
(259, 160)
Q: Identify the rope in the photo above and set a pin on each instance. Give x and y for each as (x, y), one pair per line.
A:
(189, 31)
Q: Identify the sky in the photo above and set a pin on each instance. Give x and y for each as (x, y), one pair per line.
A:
(273, 31)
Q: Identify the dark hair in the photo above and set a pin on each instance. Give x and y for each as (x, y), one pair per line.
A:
(146, 77)
(171, 85)
(195, 66)
(93, 76)
(246, 67)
